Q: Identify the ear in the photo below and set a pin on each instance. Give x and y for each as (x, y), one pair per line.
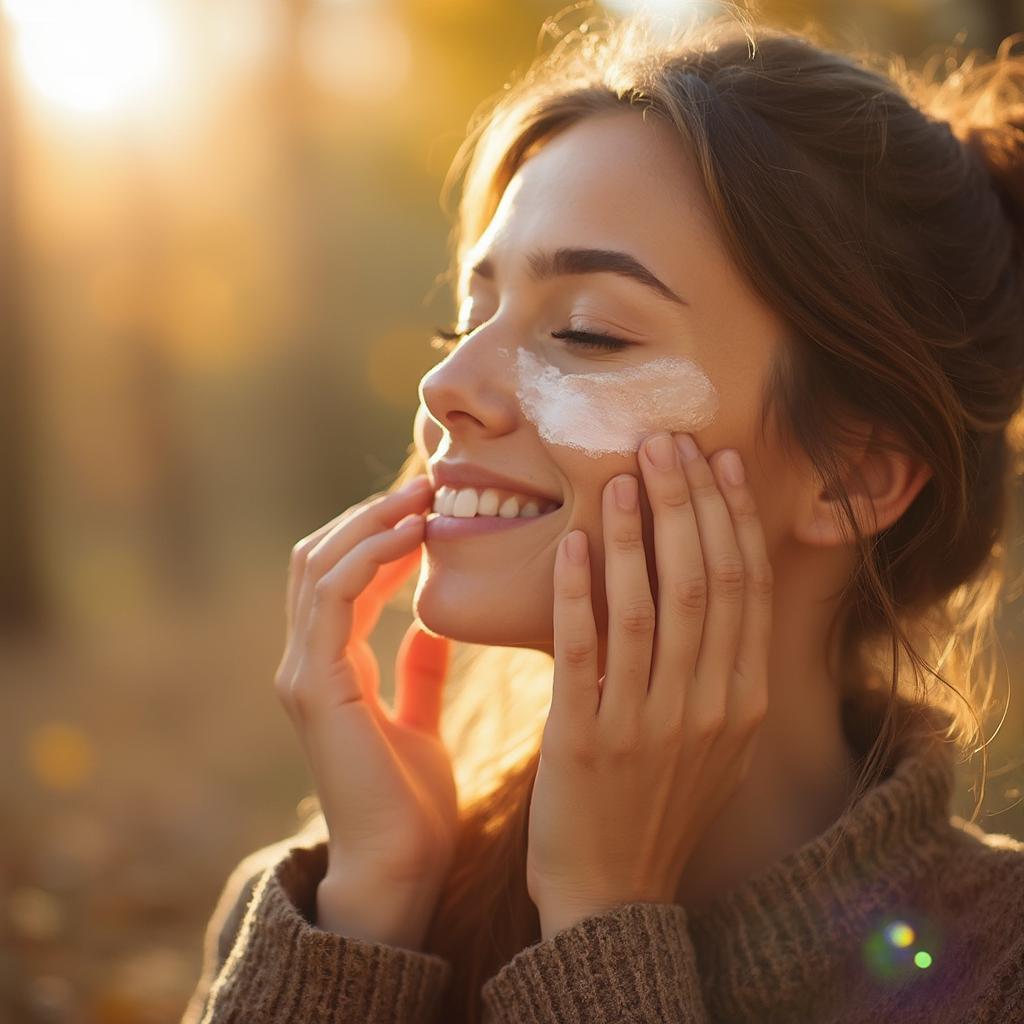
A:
(880, 481)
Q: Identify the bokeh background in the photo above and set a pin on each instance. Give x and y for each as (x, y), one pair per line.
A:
(223, 248)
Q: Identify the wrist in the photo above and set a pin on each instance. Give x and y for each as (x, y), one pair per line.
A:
(557, 918)
(374, 913)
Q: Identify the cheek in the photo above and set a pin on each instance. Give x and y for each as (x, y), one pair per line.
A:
(586, 479)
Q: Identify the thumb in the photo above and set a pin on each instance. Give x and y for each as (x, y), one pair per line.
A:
(421, 667)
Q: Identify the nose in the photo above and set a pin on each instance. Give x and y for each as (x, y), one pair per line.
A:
(472, 391)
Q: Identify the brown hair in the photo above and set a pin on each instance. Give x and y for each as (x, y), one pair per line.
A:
(877, 210)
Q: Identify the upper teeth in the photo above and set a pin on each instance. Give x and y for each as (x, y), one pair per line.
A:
(466, 502)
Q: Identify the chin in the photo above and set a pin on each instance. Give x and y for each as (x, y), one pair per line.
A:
(448, 604)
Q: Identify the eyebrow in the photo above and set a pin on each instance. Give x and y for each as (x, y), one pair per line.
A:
(569, 260)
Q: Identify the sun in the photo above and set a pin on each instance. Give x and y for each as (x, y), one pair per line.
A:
(99, 57)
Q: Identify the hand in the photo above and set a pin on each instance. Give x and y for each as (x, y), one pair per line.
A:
(631, 772)
(385, 782)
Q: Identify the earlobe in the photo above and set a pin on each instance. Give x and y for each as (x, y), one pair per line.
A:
(880, 482)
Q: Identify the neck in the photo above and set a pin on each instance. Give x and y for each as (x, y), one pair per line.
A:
(802, 768)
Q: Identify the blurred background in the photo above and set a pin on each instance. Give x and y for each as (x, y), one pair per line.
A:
(221, 248)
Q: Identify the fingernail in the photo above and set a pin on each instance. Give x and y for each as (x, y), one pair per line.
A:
(732, 467)
(412, 519)
(625, 492)
(687, 447)
(659, 451)
(576, 547)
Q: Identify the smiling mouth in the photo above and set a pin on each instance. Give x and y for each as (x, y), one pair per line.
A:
(489, 503)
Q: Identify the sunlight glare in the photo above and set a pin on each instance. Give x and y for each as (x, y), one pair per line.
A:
(665, 13)
(92, 58)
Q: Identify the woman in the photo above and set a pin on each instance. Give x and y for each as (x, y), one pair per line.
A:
(724, 435)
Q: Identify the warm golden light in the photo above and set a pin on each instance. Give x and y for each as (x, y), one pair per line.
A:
(92, 58)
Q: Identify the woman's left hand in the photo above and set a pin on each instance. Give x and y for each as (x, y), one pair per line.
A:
(635, 765)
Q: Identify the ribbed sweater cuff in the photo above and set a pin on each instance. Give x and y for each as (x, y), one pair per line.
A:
(633, 963)
(283, 968)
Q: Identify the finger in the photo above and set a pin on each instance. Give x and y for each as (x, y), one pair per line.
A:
(574, 696)
(631, 612)
(724, 569)
(301, 551)
(394, 574)
(388, 579)
(376, 517)
(331, 603)
(682, 588)
(750, 676)
(421, 668)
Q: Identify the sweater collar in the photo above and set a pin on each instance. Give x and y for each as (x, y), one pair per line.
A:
(834, 904)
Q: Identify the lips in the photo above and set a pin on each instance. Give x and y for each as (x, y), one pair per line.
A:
(468, 474)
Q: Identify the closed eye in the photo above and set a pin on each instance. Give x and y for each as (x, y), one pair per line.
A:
(447, 339)
(590, 339)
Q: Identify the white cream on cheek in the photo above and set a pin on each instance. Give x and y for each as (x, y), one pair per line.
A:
(611, 412)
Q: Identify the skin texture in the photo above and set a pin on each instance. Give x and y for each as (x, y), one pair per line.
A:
(621, 181)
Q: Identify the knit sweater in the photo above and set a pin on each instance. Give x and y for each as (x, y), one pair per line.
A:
(899, 911)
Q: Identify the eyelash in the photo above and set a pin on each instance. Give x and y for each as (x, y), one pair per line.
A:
(447, 339)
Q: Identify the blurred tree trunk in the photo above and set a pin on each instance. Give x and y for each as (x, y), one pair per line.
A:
(172, 519)
(318, 410)
(24, 607)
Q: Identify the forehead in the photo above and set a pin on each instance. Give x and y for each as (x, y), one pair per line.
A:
(615, 181)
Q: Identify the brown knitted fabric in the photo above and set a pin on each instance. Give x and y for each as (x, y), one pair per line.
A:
(836, 932)
(280, 967)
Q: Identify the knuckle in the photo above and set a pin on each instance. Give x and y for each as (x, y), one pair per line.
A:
(706, 727)
(676, 497)
(298, 693)
(689, 596)
(743, 507)
(625, 741)
(578, 651)
(570, 588)
(283, 684)
(577, 747)
(319, 563)
(728, 577)
(324, 591)
(582, 754)
(762, 581)
(637, 618)
(756, 711)
(705, 486)
(628, 540)
(297, 559)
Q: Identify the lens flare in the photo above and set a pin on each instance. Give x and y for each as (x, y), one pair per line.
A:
(900, 934)
(899, 945)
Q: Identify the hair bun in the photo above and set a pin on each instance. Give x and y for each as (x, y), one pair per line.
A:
(983, 101)
(1001, 148)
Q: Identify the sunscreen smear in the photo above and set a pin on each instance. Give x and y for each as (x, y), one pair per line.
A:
(611, 412)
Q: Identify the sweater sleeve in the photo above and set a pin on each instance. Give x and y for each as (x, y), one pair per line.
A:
(634, 963)
(265, 962)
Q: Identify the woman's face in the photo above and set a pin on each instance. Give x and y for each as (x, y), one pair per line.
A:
(614, 182)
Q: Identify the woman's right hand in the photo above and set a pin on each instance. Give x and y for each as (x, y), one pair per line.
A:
(384, 781)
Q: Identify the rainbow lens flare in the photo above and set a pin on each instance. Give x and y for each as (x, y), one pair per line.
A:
(900, 945)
